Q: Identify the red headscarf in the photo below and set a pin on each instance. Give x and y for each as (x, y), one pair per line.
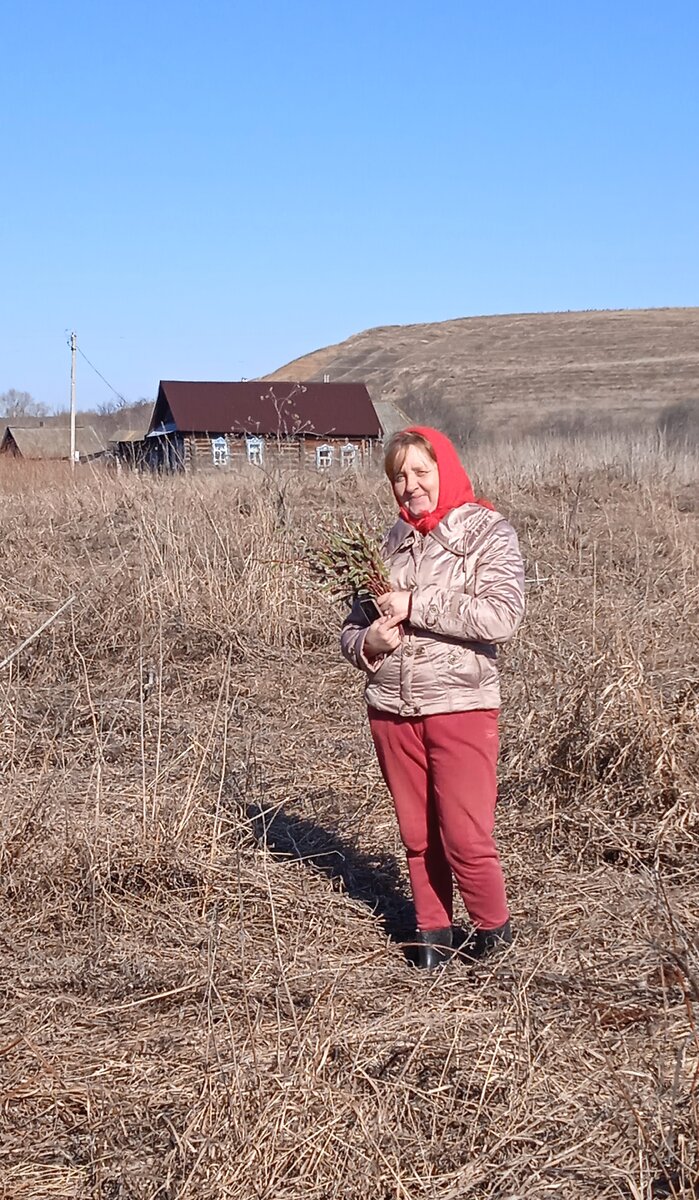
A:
(454, 484)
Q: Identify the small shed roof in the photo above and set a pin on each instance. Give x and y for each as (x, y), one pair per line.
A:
(128, 435)
(54, 442)
(270, 409)
(392, 417)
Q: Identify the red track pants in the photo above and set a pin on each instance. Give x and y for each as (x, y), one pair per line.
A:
(441, 773)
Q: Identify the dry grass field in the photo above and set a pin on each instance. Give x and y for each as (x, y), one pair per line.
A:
(205, 992)
(527, 372)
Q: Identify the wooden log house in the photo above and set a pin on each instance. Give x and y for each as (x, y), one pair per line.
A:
(213, 426)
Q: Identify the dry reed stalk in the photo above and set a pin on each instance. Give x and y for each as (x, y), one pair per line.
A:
(204, 893)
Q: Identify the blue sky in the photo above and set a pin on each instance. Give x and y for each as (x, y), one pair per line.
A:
(209, 190)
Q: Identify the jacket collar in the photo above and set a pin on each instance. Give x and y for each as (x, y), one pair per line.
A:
(449, 533)
(400, 534)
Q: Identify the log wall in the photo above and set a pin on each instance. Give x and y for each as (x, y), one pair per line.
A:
(300, 453)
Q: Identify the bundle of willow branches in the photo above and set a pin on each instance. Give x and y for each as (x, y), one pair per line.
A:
(349, 564)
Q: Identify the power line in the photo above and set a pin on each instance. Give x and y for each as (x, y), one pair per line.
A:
(94, 368)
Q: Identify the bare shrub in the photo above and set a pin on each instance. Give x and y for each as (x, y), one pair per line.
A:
(679, 423)
(462, 425)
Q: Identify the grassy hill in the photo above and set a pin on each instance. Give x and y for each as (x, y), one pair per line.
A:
(530, 372)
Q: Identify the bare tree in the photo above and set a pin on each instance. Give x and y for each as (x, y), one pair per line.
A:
(108, 408)
(289, 425)
(15, 405)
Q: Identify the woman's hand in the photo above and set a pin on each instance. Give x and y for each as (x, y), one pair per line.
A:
(382, 637)
(395, 605)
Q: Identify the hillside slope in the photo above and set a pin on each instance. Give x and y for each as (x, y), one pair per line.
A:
(525, 371)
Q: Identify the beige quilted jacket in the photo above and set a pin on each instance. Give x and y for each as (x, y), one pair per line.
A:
(467, 581)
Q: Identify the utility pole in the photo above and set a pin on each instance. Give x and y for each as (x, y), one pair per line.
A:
(73, 348)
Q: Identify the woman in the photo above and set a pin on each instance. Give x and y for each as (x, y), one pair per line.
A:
(432, 685)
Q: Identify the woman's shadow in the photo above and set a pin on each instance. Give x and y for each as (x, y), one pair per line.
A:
(373, 879)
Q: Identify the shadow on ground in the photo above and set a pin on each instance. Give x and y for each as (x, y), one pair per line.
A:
(373, 879)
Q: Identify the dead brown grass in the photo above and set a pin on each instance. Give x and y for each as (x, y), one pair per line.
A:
(527, 373)
(203, 893)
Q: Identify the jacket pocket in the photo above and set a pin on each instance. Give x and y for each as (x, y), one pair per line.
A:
(465, 669)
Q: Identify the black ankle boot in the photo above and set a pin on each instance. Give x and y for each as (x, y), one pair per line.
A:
(491, 941)
(433, 948)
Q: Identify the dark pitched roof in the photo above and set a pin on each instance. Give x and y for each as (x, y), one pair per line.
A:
(53, 442)
(271, 409)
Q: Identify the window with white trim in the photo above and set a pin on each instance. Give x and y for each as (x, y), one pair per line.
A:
(254, 447)
(348, 455)
(220, 452)
(324, 457)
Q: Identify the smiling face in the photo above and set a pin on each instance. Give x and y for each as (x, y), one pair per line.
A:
(416, 482)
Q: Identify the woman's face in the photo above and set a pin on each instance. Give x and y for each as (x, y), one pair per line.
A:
(416, 483)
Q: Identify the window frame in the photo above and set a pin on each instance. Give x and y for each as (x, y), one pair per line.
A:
(324, 456)
(220, 451)
(254, 450)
